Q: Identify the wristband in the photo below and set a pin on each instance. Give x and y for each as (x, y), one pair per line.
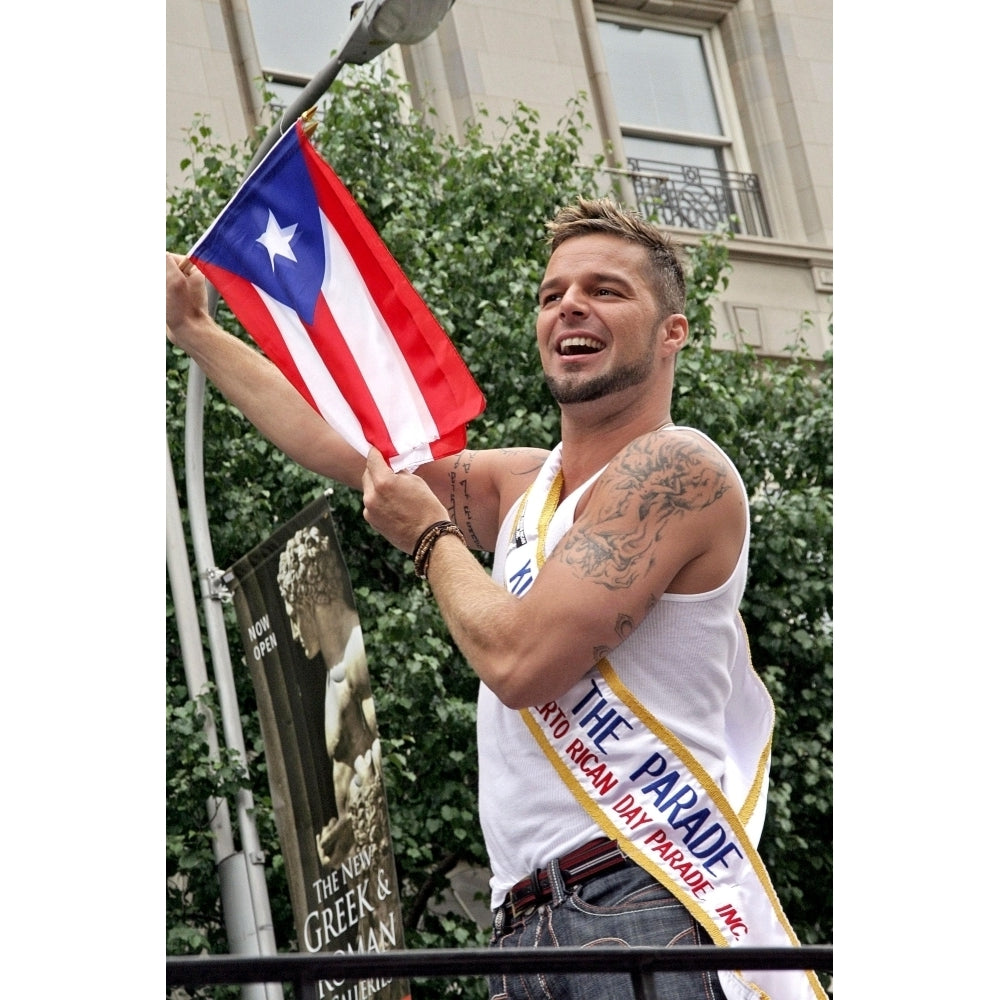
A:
(427, 541)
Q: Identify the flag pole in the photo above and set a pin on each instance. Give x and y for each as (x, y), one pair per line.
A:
(246, 906)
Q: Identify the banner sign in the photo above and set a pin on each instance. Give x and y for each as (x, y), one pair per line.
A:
(303, 644)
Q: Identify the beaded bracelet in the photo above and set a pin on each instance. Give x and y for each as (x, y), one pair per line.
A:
(426, 542)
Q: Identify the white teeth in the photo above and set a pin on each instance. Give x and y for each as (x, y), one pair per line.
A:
(587, 343)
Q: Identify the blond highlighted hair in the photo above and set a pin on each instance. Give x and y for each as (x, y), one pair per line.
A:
(603, 215)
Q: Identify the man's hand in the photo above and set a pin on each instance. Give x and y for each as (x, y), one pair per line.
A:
(187, 297)
(398, 505)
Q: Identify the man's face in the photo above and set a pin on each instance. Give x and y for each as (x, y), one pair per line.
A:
(306, 628)
(598, 321)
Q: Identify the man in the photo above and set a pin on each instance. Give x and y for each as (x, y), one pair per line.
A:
(611, 616)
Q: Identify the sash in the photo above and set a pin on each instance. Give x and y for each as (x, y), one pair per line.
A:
(656, 800)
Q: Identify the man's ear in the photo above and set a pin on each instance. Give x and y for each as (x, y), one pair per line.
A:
(674, 332)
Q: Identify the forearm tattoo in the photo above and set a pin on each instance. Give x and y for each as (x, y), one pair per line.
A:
(657, 482)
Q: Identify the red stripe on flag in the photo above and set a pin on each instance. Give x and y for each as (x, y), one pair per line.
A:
(449, 444)
(339, 361)
(256, 318)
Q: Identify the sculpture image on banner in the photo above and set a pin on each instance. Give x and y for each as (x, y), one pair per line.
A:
(304, 647)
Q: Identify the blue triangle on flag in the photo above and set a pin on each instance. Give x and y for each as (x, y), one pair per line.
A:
(270, 232)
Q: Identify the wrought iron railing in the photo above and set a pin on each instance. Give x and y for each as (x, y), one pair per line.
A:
(304, 972)
(673, 194)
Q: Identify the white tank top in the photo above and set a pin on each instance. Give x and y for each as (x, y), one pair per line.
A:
(678, 663)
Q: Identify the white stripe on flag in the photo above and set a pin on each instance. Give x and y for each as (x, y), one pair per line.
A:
(332, 405)
(376, 353)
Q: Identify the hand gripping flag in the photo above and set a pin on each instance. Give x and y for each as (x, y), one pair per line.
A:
(313, 284)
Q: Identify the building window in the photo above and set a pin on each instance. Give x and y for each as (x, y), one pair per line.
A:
(295, 40)
(678, 147)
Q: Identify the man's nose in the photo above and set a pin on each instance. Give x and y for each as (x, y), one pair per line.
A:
(573, 301)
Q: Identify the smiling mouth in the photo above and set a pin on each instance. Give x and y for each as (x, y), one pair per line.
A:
(573, 346)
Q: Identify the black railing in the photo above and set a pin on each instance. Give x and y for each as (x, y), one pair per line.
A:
(305, 972)
(673, 194)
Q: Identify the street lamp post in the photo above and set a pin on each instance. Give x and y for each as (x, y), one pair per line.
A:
(246, 908)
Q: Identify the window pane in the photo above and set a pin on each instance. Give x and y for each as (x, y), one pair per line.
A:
(284, 95)
(298, 36)
(672, 152)
(660, 79)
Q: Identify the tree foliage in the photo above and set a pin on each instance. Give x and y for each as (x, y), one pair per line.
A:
(465, 219)
(774, 417)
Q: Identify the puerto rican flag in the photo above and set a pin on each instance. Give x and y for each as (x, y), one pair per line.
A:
(314, 285)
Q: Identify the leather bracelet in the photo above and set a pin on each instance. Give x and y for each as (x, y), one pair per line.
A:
(426, 542)
(423, 536)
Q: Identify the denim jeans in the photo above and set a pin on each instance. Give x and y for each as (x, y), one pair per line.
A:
(623, 907)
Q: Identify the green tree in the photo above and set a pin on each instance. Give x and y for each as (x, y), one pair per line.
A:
(465, 219)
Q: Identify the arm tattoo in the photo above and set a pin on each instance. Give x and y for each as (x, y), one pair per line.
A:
(459, 503)
(655, 484)
(624, 626)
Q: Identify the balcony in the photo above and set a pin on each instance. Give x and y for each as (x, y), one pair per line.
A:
(671, 194)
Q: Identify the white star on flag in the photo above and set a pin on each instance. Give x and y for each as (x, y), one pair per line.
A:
(277, 240)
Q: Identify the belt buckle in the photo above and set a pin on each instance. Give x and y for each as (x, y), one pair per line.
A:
(512, 910)
(515, 909)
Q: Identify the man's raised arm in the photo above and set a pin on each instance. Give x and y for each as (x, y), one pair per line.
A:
(253, 384)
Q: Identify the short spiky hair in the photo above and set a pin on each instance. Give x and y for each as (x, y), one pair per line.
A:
(602, 215)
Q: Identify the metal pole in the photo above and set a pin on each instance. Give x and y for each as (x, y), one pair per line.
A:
(194, 661)
(259, 940)
(245, 906)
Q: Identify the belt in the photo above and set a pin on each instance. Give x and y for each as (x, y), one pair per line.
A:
(593, 858)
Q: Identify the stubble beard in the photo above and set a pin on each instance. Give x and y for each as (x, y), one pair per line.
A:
(572, 390)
